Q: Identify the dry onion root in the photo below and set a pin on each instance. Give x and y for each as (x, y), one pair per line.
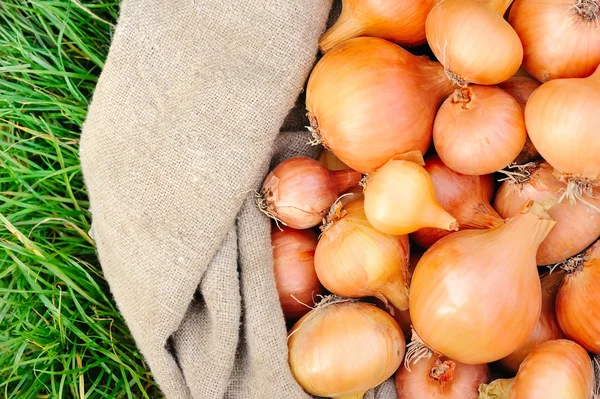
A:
(558, 369)
(342, 348)
(473, 300)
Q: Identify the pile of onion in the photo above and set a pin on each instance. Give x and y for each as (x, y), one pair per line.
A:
(577, 224)
(342, 349)
(467, 198)
(299, 191)
(349, 95)
(578, 299)
(473, 300)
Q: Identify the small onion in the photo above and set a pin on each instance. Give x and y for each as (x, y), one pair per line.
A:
(354, 260)
(295, 276)
(467, 198)
(561, 38)
(341, 350)
(369, 100)
(400, 199)
(547, 327)
(557, 369)
(441, 378)
(300, 191)
(399, 21)
(473, 41)
(521, 88)
(479, 130)
(562, 120)
(475, 295)
(577, 224)
(578, 299)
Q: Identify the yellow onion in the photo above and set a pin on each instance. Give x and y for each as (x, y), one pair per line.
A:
(369, 100)
(521, 87)
(473, 41)
(561, 38)
(354, 260)
(577, 224)
(467, 198)
(558, 369)
(341, 350)
(547, 327)
(479, 130)
(562, 120)
(578, 299)
(400, 199)
(441, 378)
(294, 266)
(475, 295)
(399, 21)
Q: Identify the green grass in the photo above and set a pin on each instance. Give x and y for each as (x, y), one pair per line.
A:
(61, 335)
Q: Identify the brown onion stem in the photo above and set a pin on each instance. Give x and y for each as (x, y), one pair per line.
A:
(484, 217)
(345, 180)
(346, 27)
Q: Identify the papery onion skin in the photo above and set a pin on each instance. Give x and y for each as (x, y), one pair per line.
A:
(467, 198)
(562, 120)
(400, 199)
(521, 88)
(547, 327)
(399, 21)
(474, 43)
(471, 298)
(295, 276)
(300, 191)
(558, 369)
(344, 349)
(331, 162)
(479, 130)
(440, 378)
(578, 300)
(361, 83)
(354, 260)
(558, 41)
(577, 224)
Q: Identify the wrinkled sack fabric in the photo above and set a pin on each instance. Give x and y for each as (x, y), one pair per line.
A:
(183, 126)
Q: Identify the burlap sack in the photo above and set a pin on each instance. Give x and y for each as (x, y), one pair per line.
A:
(182, 127)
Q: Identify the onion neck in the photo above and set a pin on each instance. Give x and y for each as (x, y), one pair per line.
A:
(483, 217)
(345, 180)
(529, 228)
(587, 10)
(436, 216)
(498, 389)
(499, 6)
(346, 27)
(395, 290)
(440, 86)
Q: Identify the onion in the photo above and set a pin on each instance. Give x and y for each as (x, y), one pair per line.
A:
(558, 369)
(473, 41)
(479, 130)
(562, 120)
(300, 191)
(399, 21)
(441, 378)
(561, 38)
(369, 100)
(295, 276)
(475, 295)
(331, 162)
(577, 224)
(547, 327)
(578, 299)
(521, 88)
(341, 350)
(400, 199)
(354, 260)
(467, 198)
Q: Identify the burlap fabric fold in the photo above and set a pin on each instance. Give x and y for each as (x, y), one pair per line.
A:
(183, 126)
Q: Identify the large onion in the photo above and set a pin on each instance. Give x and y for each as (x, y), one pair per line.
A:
(561, 38)
(475, 295)
(341, 350)
(578, 300)
(369, 100)
(577, 224)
